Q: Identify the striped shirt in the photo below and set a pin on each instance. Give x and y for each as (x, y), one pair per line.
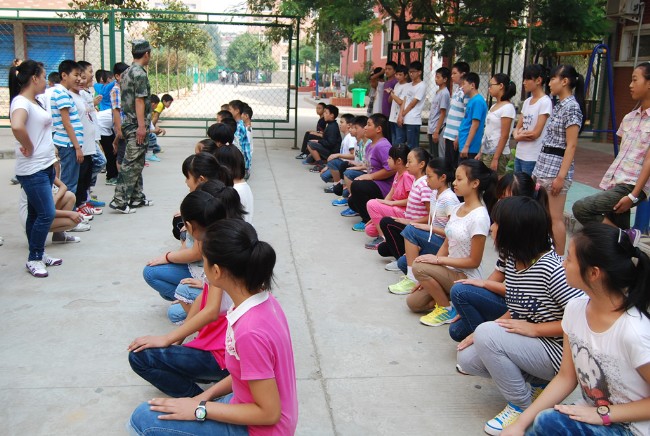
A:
(419, 195)
(456, 114)
(61, 99)
(539, 294)
(244, 145)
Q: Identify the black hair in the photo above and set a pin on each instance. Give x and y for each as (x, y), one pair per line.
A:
(230, 122)
(377, 73)
(392, 64)
(100, 76)
(54, 77)
(321, 104)
(416, 65)
(202, 209)
(349, 118)
(224, 114)
(221, 133)
(399, 151)
(523, 228)
(20, 76)
(626, 268)
(441, 168)
(238, 105)
(360, 121)
(206, 165)
(119, 68)
(233, 159)
(380, 120)
(536, 71)
(140, 55)
(444, 72)
(68, 66)
(208, 145)
(576, 83)
(228, 196)
(167, 97)
(154, 99)
(248, 111)
(476, 170)
(462, 67)
(509, 88)
(84, 65)
(233, 245)
(402, 69)
(472, 78)
(333, 110)
(421, 155)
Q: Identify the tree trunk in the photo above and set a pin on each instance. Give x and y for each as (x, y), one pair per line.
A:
(404, 35)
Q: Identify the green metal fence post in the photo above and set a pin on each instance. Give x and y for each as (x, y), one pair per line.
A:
(295, 116)
(111, 38)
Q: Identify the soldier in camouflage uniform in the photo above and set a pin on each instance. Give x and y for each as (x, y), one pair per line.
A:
(136, 120)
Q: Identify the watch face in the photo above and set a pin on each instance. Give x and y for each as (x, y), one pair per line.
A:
(603, 410)
(200, 413)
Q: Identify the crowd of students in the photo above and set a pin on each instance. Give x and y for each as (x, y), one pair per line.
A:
(543, 321)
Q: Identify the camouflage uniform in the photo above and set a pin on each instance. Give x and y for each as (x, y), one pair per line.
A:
(134, 84)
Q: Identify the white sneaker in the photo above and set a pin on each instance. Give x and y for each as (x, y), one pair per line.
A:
(64, 238)
(51, 261)
(86, 218)
(506, 417)
(392, 266)
(36, 268)
(81, 227)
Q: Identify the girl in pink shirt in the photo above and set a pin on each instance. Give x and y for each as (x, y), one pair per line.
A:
(259, 397)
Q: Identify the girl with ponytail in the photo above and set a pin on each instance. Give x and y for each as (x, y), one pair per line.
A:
(606, 342)
(259, 397)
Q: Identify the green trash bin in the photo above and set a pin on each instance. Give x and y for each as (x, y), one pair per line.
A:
(359, 97)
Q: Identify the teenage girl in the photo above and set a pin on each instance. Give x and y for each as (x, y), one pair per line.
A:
(554, 168)
(233, 159)
(394, 204)
(531, 126)
(606, 343)
(417, 209)
(259, 396)
(421, 238)
(495, 151)
(524, 344)
(207, 145)
(461, 253)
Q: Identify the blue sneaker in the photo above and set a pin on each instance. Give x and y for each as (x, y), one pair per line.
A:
(349, 212)
(96, 203)
(340, 202)
(359, 227)
(152, 158)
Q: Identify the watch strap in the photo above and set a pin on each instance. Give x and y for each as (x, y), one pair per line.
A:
(634, 199)
(606, 419)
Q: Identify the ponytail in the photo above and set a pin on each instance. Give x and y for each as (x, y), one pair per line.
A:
(202, 209)
(476, 170)
(206, 165)
(19, 76)
(576, 83)
(228, 196)
(509, 88)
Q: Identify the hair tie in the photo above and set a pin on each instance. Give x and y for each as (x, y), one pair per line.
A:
(512, 83)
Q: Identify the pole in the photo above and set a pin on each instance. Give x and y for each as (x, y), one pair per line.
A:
(638, 33)
(317, 61)
(111, 38)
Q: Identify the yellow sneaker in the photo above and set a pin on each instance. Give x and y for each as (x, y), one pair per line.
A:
(403, 287)
(439, 316)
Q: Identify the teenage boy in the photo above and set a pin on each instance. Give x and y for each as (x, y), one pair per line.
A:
(163, 103)
(389, 83)
(66, 124)
(107, 83)
(110, 127)
(411, 115)
(330, 142)
(313, 134)
(456, 113)
(247, 117)
(53, 78)
(396, 97)
(236, 107)
(337, 161)
(470, 132)
(357, 166)
(154, 131)
(438, 112)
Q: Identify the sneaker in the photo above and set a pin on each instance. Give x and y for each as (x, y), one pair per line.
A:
(634, 235)
(87, 209)
(93, 202)
(142, 203)
(123, 209)
(302, 156)
(372, 245)
(359, 227)
(36, 268)
(329, 190)
(51, 261)
(111, 182)
(340, 202)
(439, 316)
(392, 266)
(152, 158)
(317, 168)
(81, 227)
(64, 238)
(309, 161)
(87, 218)
(506, 417)
(460, 370)
(403, 287)
(14, 181)
(536, 391)
(349, 213)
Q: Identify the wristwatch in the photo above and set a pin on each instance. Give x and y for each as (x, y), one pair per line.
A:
(603, 411)
(634, 199)
(201, 413)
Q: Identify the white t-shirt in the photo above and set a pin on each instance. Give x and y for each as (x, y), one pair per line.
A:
(45, 98)
(606, 362)
(348, 144)
(413, 92)
(246, 199)
(92, 111)
(400, 91)
(492, 132)
(459, 232)
(529, 150)
(88, 143)
(377, 106)
(39, 130)
(105, 122)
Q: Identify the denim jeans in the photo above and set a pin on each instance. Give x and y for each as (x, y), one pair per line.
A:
(145, 422)
(186, 294)
(69, 168)
(550, 422)
(40, 209)
(524, 166)
(412, 135)
(421, 239)
(165, 278)
(99, 162)
(402, 264)
(398, 134)
(326, 176)
(153, 143)
(475, 306)
(175, 370)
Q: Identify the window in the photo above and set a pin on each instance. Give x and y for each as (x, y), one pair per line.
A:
(285, 63)
(629, 43)
(385, 37)
(369, 53)
(355, 52)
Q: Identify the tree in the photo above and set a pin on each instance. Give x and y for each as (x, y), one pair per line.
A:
(248, 53)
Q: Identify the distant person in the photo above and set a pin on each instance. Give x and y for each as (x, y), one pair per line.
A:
(456, 113)
(411, 115)
(438, 112)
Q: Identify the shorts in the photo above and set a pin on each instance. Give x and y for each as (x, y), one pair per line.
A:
(546, 183)
(501, 167)
(322, 151)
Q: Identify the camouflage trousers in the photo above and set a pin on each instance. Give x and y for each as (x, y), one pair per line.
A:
(129, 180)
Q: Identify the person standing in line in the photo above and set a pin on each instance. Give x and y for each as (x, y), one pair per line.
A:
(135, 128)
(389, 83)
(411, 115)
(456, 113)
(438, 112)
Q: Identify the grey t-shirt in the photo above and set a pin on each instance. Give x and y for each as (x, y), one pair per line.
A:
(439, 100)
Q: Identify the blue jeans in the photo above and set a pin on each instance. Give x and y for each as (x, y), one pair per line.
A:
(326, 176)
(550, 422)
(412, 135)
(175, 370)
(165, 278)
(69, 168)
(475, 306)
(402, 263)
(145, 422)
(153, 143)
(40, 209)
(352, 174)
(421, 239)
(186, 294)
(398, 134)
(524, 166)
(99, 162)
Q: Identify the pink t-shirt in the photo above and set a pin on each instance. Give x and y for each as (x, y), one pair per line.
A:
(402, 184)
(420, 193)
(212, 336)
(259, 348)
